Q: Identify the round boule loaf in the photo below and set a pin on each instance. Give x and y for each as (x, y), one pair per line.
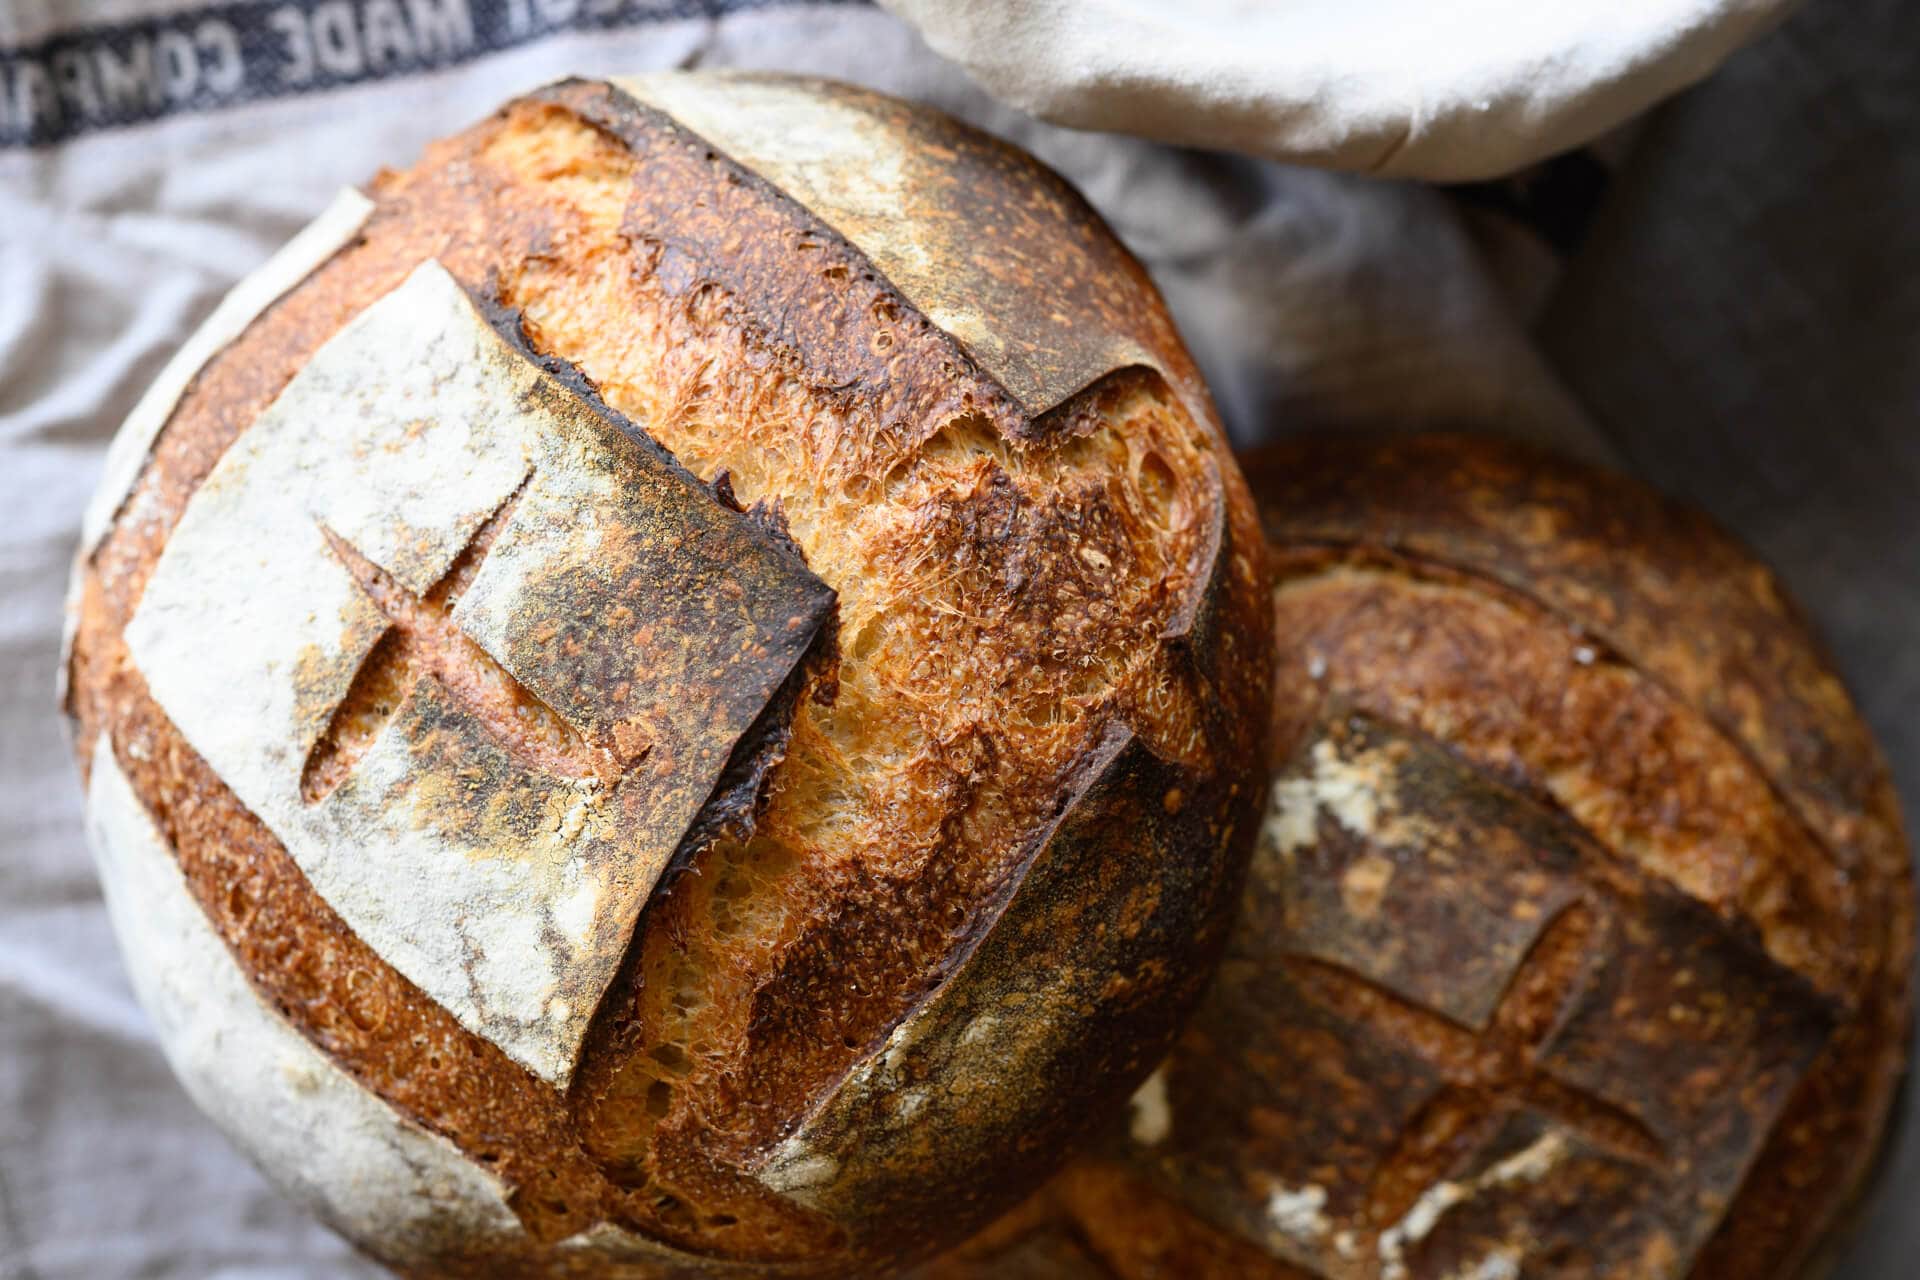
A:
(676, 689)
(1577, 940)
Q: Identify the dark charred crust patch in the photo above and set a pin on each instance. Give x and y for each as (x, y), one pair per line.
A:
(846, 330)
(742, 789)
(1078, 943)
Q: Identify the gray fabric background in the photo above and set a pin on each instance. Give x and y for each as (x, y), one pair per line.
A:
(1742, 326)
(1744, 322)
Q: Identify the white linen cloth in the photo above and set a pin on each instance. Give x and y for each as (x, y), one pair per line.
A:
(1741, 325)
(1409, 88)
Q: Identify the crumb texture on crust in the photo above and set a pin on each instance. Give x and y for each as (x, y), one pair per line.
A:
(1577, 938)
(1013, 596)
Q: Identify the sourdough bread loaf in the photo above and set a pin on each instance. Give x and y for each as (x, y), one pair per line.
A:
(1577, 941)
(675, 689)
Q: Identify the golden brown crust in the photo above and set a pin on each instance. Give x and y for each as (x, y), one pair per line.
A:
(1050, 645)
(1577, 942)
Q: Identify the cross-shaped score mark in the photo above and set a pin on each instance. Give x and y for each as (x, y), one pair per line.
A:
(1489, 1074)
(426, 642)
(423, 640)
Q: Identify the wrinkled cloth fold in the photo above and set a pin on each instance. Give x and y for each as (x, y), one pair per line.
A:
(1394, 87)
